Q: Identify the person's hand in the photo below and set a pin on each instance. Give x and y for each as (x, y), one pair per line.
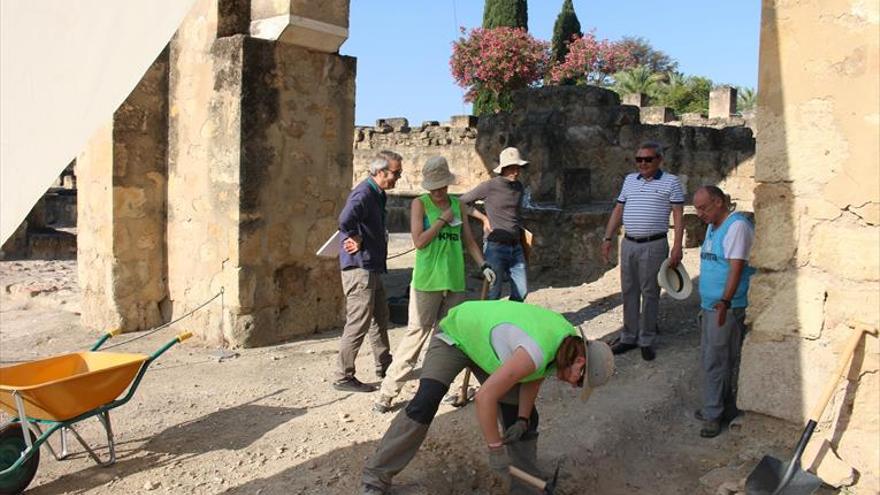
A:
(498, 461)
(352, 244)
(487, 227)
(675, 257)
(447, 216)
(721, 313)
(515, 431)
(606, 251)
(488, 273)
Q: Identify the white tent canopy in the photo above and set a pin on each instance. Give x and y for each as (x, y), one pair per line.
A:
(65, 67)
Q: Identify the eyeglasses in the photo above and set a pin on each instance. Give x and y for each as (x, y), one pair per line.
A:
(645, 159)
(396, 173)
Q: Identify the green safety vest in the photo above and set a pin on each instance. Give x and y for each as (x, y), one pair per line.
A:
(470, 326)
(440, 264)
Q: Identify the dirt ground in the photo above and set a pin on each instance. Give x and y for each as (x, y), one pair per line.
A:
(266, 421)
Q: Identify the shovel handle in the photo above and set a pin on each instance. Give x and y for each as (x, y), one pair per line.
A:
(831, 386)
(528, 478)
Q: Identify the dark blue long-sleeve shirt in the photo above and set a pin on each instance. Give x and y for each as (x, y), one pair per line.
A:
(364, 215)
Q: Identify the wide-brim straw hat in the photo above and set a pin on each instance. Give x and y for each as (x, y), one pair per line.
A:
(600, 365)
(436, 174)
(509, 156)
(675, 281)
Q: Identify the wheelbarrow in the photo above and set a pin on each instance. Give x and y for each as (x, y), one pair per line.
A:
(54, 393)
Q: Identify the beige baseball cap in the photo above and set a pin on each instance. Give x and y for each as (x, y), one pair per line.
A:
(509, 156)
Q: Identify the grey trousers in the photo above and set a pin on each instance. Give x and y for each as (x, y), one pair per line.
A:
(366, 311)
(639, 264)
(720, 351)
(407, 431)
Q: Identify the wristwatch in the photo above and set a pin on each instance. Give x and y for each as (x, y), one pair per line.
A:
(725, 302)
(607, 239)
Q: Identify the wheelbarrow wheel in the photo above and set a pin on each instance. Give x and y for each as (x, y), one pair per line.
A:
(12, 445)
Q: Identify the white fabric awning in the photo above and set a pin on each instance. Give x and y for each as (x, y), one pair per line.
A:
(65, 67)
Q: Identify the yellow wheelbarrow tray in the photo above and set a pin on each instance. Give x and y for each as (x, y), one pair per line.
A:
(55, 393)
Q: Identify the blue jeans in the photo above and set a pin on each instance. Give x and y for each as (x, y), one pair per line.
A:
(509, 262)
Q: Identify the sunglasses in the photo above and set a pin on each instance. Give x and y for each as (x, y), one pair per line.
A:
(645, 159)
(396, 173)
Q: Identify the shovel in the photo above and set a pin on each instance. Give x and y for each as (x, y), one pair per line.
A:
(774, 477)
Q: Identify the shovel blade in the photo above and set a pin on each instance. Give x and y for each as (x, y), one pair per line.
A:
(769, 473)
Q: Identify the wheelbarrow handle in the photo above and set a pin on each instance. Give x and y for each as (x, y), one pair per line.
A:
(104, 338)
(168, 345)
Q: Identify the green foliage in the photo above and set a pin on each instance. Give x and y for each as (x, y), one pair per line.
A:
(500, 13)
(566, 27)
(645, 54)
(746, 99)
(685, 94)
(506, 13)
(639, 79)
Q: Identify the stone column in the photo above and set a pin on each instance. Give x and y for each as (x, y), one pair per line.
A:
(121, 211)
(817, 206)
(260, 164)
(722, 102)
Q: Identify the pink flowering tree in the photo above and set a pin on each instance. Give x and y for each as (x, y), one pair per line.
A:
(491, 63)
(592, 61)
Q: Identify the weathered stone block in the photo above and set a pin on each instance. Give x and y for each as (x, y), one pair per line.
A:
(786, 304)
(656, 115)
(463, 121)
(314, 24)
(722, 102)
(635, 99)
(776, 227)
(846, 250)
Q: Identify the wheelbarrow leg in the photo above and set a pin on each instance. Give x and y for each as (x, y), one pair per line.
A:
(58, 457)
(104, 418)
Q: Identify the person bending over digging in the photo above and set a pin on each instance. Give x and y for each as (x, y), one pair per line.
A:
(510, 347)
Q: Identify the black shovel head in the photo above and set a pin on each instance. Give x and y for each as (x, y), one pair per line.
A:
(769, 473)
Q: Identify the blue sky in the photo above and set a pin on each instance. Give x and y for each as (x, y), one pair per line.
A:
(403, 46)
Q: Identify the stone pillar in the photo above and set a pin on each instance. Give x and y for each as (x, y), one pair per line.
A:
(817, 206)
(259, 166)
(722, 102)
(635, 99)
(121, 211)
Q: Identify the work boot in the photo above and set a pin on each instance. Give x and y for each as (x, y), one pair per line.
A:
(710, 429)
(380, 371)
(371, 490)
(620, 348)
(383, 405)
(353, 385)
(648, 353)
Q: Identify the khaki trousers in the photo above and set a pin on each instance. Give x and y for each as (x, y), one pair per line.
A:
(426, 309)
(366, 309)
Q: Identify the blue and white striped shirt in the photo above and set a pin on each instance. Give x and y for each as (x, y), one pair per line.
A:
(646, 204)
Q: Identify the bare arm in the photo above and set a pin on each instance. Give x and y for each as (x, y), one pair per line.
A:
(678, 227)
(611, 231)
(514, 369)
(470, 244)
(420, 236)
(730, 285)
(528, 392)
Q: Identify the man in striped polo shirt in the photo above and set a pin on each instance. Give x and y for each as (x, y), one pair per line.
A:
(644, 203)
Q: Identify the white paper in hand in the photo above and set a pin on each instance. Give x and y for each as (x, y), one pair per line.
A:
(330, 249)
(455, 222)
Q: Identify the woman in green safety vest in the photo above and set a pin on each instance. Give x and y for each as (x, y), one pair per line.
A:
(438, 284)
(510, 347)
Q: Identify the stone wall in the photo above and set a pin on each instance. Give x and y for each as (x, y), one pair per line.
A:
(817, 206)
(580, 142)
(220, 185)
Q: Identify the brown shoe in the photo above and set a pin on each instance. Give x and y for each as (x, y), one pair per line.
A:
(710, 429)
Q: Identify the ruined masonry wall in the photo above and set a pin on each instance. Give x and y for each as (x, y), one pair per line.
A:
(818, 223)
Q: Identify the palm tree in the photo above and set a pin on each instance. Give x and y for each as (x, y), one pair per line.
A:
(637, 80)
(746, 99)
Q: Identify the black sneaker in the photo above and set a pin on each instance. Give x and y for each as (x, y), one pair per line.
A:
(620, 348)
(353, 385)
(648, 353)
(710, 429)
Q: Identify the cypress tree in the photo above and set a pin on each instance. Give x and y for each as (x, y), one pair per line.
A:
(500, 13)
(567, 25)
(509, 13)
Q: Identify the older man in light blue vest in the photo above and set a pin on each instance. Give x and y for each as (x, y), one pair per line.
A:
(724, 285)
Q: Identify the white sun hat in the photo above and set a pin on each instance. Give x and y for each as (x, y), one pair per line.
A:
(675, 281)
(509, 156)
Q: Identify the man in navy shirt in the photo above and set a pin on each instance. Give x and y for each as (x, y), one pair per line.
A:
(362, 261)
